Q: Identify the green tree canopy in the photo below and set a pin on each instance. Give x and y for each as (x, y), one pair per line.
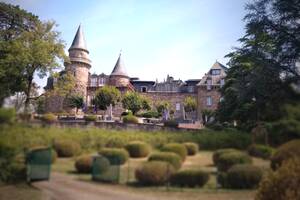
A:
(32, 48)
(190, 104)
(76, 101)
(105, 96)
(161, 106)
(262, 70)
(135, 102)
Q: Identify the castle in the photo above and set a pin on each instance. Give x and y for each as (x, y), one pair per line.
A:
(204, 90)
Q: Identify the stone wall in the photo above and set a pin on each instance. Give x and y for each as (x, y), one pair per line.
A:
(202, 95)
(118, 81)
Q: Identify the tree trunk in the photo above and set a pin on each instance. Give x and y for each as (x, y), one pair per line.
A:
(27, 93)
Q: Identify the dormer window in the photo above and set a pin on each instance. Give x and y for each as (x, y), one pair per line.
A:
(143, 89)
(94, 82)
(215, 72)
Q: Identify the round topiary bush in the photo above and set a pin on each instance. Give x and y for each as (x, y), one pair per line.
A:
(154, 173)
(170, 157)
(115, 156)
(83, 164)
(90, 118)
(130, 119)
(189, 178)
(49, 117)
(176, 148)
(227, 160)
(260, 151)
(219, 152)
(242, 176)
(282, 183)
(284, 152)
(192, 148)
(138, 149)
(66, 148)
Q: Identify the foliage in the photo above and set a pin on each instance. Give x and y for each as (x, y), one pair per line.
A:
(149, 114)
(12, 167)
(242, 176)
(130, 119)
(40, 105)
(282, 183)
(262, 71)
(218, 153)
(170, 157)
(63, 85)
(83, 164)
(53, 152)
(189, 178)
(260, 151)
(176, 148)
(135, 102)
(138, 149)
(161, 106)
(190, 104)
(14, 22)
(76, 101)
(115, 156)
(49, 117)
(171, 123)
(126, 113)
(191, 147)
(90, 118)
(154, 173)
(284, 152)
(91, 139)
(66, 148)
(7, 115)
(105, 96)
(227, 160)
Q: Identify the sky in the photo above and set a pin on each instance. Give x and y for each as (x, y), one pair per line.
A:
(182, 38)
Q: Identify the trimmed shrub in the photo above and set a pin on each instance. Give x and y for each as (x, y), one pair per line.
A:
(150, 114)
(282, 183)
(189, 178)
(227, 160)
(170, 157)
(130, 119)
(218, 153)
(242, 176)
(90, 118)
(284, 152)
(66, 148)
(154, 173)
(7, 115)
(260, 151)
(115, 156)
(138, 149)
(176, 148)
(171, 123)
(126, 113)
(83, 164)
(49, 117)
(192, 148)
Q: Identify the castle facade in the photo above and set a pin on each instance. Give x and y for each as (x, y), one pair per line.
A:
(204, 90)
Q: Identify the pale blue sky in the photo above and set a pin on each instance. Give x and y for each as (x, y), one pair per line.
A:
(182, 38)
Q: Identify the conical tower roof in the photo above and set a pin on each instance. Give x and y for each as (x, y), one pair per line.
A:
(79, 40)
(119, 69)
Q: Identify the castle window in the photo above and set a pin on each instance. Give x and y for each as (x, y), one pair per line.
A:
(216, 72)
(93, 82)
(101, 81)
(143, 89)
(209, 101)
(209, 83)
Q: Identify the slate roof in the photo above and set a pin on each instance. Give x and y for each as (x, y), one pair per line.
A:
(79, 40)
(119, 69)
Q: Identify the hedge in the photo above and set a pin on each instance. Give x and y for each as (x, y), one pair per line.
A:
(138, 149)
(66, 148)
(227, 160)
(218, 153)
(130, 119)
(115, 156)
(154, 173)
(189, 178)
(170, 157)
(83, 164)
(192, 148)
(260, 151)
(177, 148)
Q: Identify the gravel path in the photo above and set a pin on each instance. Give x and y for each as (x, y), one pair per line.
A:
(65, 187)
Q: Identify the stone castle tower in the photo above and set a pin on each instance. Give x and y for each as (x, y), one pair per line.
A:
(80, 63)
(119, 77)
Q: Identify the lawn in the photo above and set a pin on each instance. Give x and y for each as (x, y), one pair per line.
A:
(202, 160)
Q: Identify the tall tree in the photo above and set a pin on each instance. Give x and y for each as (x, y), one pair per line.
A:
(105, 96)
(264, 68)
(190, 104)
(135, 102)
(35, 50)
(76, 101)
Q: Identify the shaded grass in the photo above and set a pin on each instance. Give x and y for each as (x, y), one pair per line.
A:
(20, 192)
